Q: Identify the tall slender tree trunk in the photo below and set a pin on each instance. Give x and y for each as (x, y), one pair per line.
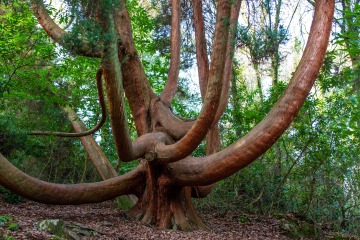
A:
(258, 81)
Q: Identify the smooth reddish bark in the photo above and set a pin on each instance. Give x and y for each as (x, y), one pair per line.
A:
(52, 193)
(170, 87)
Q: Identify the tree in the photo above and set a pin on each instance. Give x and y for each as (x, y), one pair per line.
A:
(167, 176)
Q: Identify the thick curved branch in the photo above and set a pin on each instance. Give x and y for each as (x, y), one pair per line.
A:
(144, 146)
(48, 24)
(126, 149)
(114, 90)
(88, 132)
(56, 32)
(45, 192)
(201, 50)
(204, 171)
(171, 84)
(136, 85)
(213, 136)
(182, 148)
(234, 16)
(174, 126)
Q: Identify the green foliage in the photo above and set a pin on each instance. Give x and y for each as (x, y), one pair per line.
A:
(348, 38)
(142, 24)
(13, 226)
(5, 219)
(10, 136)
(36, 84)
(7, 222)
(9, 197)
(261, 43)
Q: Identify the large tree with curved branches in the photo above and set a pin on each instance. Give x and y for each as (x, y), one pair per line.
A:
(167, 176)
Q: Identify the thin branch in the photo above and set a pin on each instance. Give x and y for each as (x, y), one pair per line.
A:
(171, 84)
(91, 131)
(312, 2)
(287, 174)
(18, 64)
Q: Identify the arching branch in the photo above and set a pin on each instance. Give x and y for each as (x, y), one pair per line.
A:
(88, 132)
(171, 84)
(179, 150)
(213, 136)
(45, 192)
(56, 32)
(194, 171)
(174, 126)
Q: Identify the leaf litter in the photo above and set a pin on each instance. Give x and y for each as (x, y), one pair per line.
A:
(105, 221)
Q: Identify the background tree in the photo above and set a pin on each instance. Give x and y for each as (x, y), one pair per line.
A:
(166, 176)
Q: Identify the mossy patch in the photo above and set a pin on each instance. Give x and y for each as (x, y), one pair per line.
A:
(296, 229)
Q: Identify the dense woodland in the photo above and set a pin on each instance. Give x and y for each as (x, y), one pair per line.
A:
(313, 169)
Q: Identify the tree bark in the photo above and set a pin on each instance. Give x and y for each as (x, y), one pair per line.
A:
(171, 84)
(52, 193)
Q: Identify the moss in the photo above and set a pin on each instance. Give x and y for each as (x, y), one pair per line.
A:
(52, 226)
(296, 229)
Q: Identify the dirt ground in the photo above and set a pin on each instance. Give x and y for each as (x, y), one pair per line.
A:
(104, 221)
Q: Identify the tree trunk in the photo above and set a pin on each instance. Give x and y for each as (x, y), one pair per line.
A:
(258, 81)
(164, 204)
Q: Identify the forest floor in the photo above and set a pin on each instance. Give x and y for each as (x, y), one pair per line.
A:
(104, 221)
